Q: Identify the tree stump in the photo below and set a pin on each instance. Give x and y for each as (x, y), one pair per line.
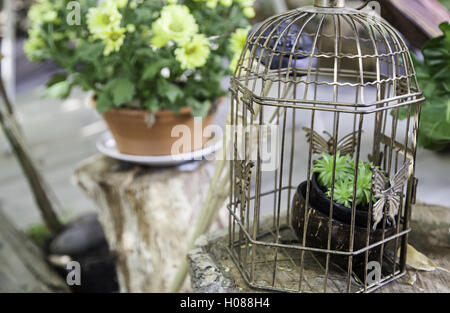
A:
(22, 265)
(148, 215)
(212, 269)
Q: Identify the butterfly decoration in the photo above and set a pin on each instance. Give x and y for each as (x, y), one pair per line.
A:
(320, 145)
(243, 172)
(373, 160)
(390, 195)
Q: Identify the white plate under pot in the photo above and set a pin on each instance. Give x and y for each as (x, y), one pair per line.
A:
(107, 146)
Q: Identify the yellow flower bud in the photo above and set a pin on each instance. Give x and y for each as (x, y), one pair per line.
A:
(249, 12)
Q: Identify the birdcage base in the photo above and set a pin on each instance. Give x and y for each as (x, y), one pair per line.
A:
(289, 271)
(285, 265)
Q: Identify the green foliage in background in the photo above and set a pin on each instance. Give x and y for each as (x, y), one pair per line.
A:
(445, 3)
(39, 233)
(433, 75)
(143, 54)
(344, 179)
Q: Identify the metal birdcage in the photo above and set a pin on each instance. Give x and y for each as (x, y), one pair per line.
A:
(315, 82)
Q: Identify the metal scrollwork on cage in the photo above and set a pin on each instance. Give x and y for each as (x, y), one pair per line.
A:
(339, 86)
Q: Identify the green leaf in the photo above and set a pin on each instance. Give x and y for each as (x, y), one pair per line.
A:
(154, 68)
(433, 75)
(448, 111)
(90, 51)
(56, 78)
(143, 15)
(199, 108)
(60, 90)
(103, 103)
(152, 104)
(169, 90)
(121, 89)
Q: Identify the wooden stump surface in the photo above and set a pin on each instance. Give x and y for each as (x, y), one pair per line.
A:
(148, 215)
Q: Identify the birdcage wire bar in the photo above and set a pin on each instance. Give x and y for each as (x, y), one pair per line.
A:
(287, 86)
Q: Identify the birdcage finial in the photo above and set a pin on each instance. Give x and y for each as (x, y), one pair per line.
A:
(329, 3)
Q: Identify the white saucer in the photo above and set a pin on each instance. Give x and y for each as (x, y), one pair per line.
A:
(107, 145)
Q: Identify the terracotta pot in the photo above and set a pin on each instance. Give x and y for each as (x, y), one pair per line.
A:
(133, 135)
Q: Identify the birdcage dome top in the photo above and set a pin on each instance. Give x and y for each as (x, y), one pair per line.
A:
(327, 51)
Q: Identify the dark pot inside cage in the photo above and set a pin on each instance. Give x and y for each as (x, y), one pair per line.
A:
(318, 223)
(321, 202)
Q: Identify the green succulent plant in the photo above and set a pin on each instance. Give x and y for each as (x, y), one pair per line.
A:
(343, 192)
(364, 183)
(324, 166)
(344, 179)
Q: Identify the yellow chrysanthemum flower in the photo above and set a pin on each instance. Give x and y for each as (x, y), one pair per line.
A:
(237, 43)
(175, 23)
(131, 28)
(212, 4)
(249, 12)
(245, 3)
(42, 11)
(103, 18)
(234, 62)
(193, 53)
(237, 39)
(247, 7)
(119, 3)
(34, 43)
(226, 3)
(114, 40)
(245, 63)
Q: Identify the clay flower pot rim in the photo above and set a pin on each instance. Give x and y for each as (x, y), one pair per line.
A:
(128, 111)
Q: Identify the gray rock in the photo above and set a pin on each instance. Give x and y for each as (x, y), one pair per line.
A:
(206, 276)
(78, 237)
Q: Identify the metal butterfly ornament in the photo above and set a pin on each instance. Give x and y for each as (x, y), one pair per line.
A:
(242, 184)
(389, 196)
(320, 145)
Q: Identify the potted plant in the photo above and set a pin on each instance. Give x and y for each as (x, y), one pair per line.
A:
(150, 64)
(319, 204)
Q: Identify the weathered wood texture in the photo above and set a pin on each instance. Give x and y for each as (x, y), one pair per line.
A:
(417, 20)
(22, 264)
(148, 215)
(40, 189)
(212, 269)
